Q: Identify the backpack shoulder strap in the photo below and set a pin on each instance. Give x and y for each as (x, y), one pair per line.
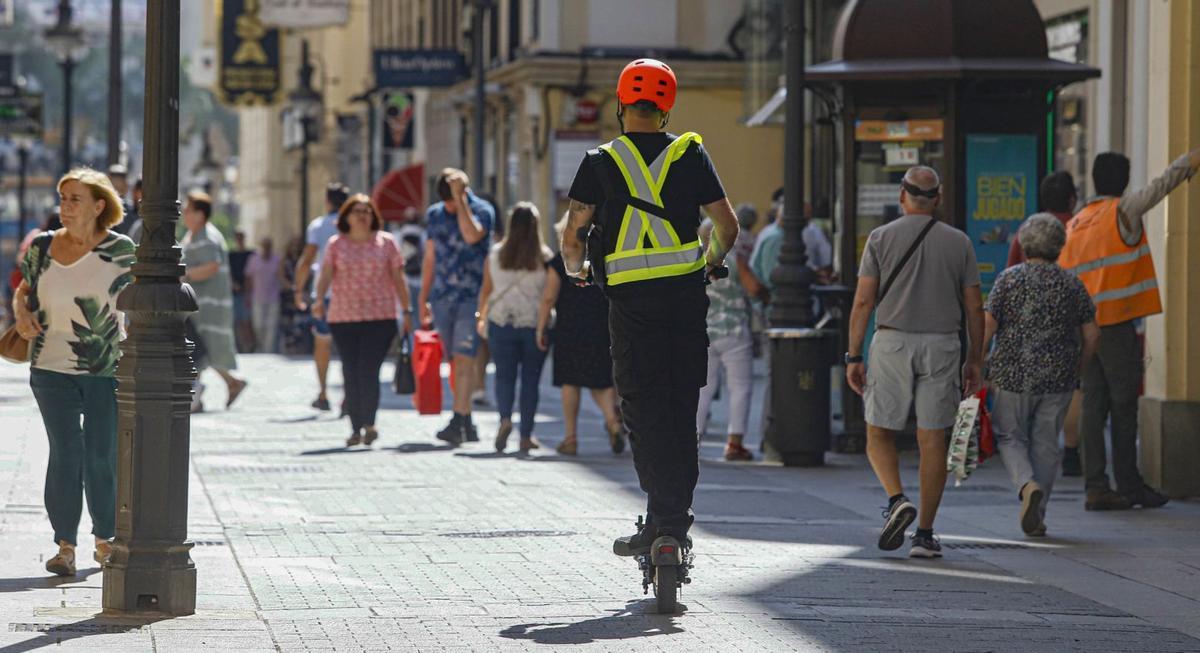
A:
(912, 249)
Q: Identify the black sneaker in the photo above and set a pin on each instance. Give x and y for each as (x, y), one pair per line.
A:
(1071, 465)
(925, 547)
(1147, 497)
(470, 433)
(320, 403)
(1106, 499)
(898, 518)
(453, 433)
(638, 543)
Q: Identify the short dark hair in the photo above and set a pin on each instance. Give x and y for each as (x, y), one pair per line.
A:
(336, 193)
(202, 202)
(1110, 173)
(443, 183)
(1057, 193)
(343, 219)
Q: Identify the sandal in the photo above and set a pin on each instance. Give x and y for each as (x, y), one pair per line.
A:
(568, 447)
(616, 438)
(62, 564)
(502, 434)
(736, 452)
(235, 390)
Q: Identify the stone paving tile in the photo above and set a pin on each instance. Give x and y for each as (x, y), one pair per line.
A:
(413, 547)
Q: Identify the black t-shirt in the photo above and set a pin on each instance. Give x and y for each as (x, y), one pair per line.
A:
(691, 183)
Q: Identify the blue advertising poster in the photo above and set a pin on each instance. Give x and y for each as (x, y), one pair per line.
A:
(1001, 192)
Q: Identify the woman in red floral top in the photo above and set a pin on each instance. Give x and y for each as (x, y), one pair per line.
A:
(364, 267)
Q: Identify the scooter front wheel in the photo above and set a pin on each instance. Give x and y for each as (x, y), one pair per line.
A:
(666, 588)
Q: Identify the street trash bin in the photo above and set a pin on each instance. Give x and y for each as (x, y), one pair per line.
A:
(797, 426)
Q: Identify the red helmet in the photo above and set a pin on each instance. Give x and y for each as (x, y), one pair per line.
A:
(647, 79)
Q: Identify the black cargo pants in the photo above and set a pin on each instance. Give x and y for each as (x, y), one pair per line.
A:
(659, 351)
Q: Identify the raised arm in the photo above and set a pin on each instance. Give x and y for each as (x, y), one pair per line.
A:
(579, 217)
(472, 230)
(1135, 204)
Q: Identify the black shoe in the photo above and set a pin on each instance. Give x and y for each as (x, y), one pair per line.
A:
(925, 547)
(453, 433)
(1147, 497)
(470, 433)
(1106, 499)
(638, 543)
(1070, 462)
(320, 403)
(898, 518)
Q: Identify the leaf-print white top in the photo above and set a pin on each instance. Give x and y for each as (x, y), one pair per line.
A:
(77, 307)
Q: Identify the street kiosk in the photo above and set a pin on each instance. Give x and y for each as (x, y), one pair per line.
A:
(963, 86)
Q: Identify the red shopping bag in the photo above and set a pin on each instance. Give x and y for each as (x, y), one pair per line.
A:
(987, 440)
(427, 367)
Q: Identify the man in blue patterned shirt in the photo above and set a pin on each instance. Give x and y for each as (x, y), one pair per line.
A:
(456, 246)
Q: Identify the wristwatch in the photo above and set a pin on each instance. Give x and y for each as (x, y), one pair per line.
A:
(850, 360)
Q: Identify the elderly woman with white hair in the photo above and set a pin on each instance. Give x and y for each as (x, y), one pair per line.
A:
(1044, 323)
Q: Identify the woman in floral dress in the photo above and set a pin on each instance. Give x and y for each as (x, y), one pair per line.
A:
(66, 307)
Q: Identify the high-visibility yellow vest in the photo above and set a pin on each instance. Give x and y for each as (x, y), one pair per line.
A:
(666, 256)
(1119, 278)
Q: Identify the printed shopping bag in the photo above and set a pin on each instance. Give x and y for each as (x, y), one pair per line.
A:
(963, 455)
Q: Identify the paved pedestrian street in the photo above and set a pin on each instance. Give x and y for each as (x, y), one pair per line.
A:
(302, 545)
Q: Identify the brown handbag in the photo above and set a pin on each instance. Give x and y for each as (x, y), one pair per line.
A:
(14, 348)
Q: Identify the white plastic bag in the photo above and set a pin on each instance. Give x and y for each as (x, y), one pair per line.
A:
(963, 455)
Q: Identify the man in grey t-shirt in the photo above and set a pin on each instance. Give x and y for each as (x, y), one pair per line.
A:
(916, 351)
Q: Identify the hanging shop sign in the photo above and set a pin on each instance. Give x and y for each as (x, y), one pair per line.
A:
(1001, 190)
(409, 68)
(21, 115)
(898, 130)
(304, 14)
(398, 114)
(248, 71)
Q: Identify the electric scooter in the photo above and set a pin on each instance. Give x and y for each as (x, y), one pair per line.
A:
(666, 568)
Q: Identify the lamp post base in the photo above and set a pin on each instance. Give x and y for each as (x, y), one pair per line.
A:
(156, 581)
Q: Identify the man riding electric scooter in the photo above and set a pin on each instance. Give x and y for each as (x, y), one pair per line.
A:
(636, 201)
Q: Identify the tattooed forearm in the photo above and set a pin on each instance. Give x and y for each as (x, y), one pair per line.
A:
(579, 216)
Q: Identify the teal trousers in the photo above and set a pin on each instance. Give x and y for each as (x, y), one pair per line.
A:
(80, 414)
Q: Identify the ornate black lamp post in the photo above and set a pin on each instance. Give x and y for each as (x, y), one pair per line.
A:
(798, 425)
(65, 40)
(150, 569)
(114, 84)
(305, 106)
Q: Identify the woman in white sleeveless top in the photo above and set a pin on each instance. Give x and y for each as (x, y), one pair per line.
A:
(513, 281)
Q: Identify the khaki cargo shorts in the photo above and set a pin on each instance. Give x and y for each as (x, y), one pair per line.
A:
(907, 368)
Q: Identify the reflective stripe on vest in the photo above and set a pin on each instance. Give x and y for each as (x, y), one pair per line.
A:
(666, 256)
(1119, 278)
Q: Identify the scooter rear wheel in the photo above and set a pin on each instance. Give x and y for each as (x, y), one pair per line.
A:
(666, 589)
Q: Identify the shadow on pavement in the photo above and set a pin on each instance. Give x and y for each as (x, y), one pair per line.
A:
(623, 624)
(44, 582)
(333, 451)
(294, 420)
(419, 447)
(54, 635)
